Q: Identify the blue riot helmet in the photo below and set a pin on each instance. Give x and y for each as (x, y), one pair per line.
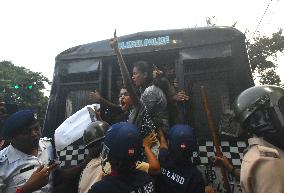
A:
(260, 111)
(122, 146)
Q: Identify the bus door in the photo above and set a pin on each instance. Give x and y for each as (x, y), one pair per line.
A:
(209, 66)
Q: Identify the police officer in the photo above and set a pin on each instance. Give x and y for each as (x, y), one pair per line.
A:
(24, 163)
(27, 163)
(122, 148)
(178, 174)
(260, 110)
(93, 137)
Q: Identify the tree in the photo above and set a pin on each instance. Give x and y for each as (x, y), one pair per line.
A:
(23, 87)
(263, 52)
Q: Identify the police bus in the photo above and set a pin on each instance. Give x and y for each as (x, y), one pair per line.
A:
(214, 57)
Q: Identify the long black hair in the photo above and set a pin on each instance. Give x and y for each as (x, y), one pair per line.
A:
(145, 67)
(160, 81)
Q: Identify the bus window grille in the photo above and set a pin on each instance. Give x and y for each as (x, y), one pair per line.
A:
(281, 105)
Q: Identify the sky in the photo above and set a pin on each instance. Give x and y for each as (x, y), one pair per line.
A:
(33, 32)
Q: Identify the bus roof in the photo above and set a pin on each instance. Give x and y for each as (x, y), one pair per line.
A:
(149, 41)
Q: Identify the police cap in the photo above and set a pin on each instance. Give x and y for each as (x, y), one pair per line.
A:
(18, 121)
(181, 137)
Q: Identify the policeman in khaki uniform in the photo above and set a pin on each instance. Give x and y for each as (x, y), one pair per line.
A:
(260, 110)
(24, 163)
(262, 168)
(93, 137)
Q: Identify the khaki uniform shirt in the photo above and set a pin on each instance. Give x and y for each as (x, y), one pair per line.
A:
(93, 173)
(16, 167)
(262, 169)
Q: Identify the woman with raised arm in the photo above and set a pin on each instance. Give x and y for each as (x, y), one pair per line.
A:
(139, 114)
(152, 97)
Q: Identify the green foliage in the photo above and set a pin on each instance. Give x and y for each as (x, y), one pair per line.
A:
(263, 52)
(24, 88)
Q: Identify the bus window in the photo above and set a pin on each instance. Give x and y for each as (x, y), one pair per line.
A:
(75, 100)
(80, 66)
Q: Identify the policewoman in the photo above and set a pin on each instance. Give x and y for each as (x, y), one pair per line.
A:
(122, 149)
(178, 174)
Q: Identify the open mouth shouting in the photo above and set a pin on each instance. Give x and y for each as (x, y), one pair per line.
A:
(125, 100)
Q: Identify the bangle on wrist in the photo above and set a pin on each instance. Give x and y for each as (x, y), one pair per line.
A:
(19, 190)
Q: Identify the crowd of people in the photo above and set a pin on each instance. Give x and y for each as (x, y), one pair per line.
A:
(149, 148)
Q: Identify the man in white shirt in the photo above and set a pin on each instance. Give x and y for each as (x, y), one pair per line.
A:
(26, 165)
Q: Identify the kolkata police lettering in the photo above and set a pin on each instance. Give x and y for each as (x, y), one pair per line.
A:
(156, 41)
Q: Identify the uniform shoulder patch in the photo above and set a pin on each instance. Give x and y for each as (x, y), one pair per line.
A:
(45, 139)
(268, 152)
(46, 142)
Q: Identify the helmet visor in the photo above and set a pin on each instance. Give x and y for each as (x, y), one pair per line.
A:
(260, 122)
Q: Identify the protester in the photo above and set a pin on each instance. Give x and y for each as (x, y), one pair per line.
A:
(122, 149)
(178, 174)
(120, 111)
(139, 114)
(27, 163)
(141, 119)
(151, 95)
(175, 100)
(151, 164)
(110, 112)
